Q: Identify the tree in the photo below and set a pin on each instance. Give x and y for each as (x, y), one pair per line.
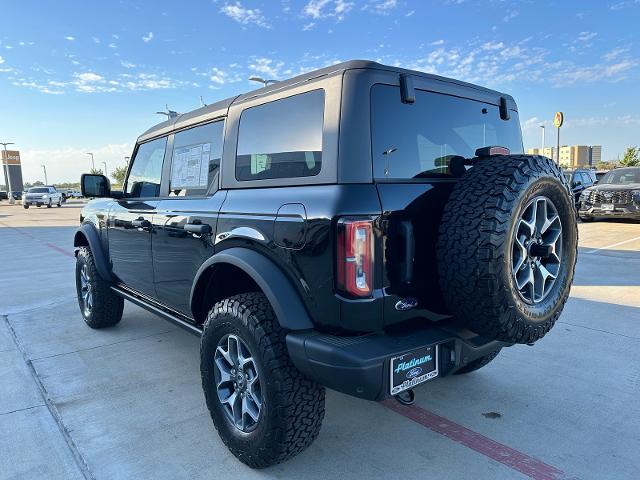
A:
(631, 157)
(118, 174)
(95, 171)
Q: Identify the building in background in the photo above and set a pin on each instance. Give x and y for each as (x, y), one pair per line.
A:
(572, 156)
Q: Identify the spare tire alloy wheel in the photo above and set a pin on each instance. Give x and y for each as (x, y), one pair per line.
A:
(537, 250)
(507, 247)
(238, 383)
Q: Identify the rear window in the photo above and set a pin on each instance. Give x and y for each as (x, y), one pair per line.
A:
(39, 190)
(281, 139)
(412, 141)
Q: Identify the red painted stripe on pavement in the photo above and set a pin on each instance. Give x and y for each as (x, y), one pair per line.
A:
(33, 237)
(61, 250)
(521, 462)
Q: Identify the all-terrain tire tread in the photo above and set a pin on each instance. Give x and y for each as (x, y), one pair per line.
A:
(471, 245)
(299, 400)
(107, 306)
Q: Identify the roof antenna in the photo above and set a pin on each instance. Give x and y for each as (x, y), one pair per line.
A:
(202, 102)
(169, 113)
(255, 78)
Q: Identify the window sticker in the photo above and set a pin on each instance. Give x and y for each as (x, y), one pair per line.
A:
(190, 168)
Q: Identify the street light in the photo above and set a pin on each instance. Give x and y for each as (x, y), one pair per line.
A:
(7, 175)
(126, 160)
(93, 164)
(46, 182)
(542, 127)
(105, 168)
(255, 78)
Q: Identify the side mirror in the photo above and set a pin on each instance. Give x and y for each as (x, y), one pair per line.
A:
(95, 185)
(577, 183)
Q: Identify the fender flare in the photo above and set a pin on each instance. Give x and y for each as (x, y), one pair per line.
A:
(283, 297)
(92, 236)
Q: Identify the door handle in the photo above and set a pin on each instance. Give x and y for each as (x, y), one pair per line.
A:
(198, 228)
(141, 223)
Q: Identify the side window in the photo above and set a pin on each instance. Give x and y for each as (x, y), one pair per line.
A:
(586, 179)
(281, 139)
(196, 159)
(146, 171)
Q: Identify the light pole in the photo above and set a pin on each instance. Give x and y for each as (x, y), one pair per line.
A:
(46, 182)
(105, 168)
(7, 175)
(126, 160)
(542, 127)
(93, 164)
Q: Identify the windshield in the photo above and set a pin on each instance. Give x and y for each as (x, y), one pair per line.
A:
(38, 190)
(420, 140)
(622, 176)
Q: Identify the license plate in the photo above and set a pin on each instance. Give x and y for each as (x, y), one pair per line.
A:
(607, 207)
(413, 368)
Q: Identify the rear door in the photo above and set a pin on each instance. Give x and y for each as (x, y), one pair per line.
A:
(418, 151)
(185, 222)
(130, 224)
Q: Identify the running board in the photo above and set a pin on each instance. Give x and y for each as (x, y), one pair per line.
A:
(166, 315)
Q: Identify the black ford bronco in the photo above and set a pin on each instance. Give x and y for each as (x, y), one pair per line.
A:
(361, 227)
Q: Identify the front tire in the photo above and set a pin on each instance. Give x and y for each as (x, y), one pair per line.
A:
(59, 203)
(100, 307)
(25, 206)
(276, 412)
(49, 204)
(585, 219)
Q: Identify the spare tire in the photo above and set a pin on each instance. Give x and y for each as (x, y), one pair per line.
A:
(507, 247)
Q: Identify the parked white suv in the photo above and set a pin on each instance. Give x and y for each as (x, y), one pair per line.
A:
(40, 196)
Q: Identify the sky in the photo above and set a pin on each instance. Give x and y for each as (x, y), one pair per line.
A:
(88, 76)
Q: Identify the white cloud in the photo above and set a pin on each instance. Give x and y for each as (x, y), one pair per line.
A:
(586, 36)
(70, 38)
(127, 64)
(267, 66)
(511, 14)
(308, 26)
(384, 7)
(67, 164)
(437, 42)
(624, 4)
(318, 9)
(148, 37)
(244, 15)
(1, 60)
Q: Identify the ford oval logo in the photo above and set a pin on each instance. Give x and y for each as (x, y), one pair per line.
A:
(406, 304)
(414, 372)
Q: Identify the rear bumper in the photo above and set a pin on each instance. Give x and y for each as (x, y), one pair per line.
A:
(359, 366)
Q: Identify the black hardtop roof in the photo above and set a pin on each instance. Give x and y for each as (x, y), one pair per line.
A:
(221, 107)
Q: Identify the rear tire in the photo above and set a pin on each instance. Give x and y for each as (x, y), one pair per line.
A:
(25, 206)
(478, 363)
(100, 307)
(491, 277)
(291, 405)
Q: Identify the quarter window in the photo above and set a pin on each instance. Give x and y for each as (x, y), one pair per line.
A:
(195, 163)
(146, 171)
(281, 139)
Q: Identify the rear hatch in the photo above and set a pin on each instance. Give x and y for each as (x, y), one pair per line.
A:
(418, 154)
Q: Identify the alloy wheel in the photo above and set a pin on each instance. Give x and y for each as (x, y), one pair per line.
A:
(86, 291)
(238, 383)
(537, 250)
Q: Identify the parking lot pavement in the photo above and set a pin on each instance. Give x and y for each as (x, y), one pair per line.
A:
(126, 402)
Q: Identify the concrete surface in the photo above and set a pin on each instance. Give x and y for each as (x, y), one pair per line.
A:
(126, 402)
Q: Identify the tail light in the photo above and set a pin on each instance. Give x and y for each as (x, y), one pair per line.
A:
(355, 257)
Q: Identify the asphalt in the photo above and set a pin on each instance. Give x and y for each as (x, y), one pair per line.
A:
(126, 402)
